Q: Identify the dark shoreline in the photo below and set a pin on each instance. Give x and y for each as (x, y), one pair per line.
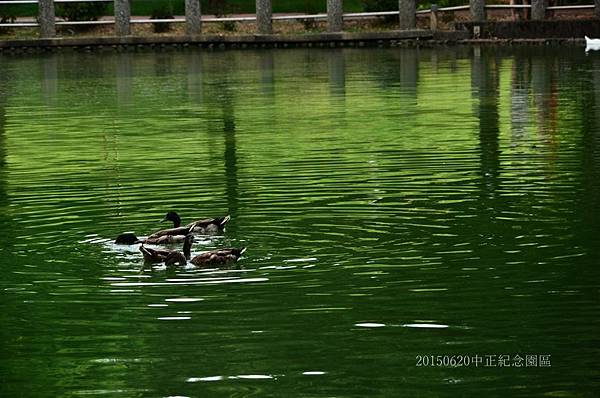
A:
(363, 39)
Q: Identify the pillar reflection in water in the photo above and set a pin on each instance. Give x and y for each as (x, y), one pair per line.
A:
(590, 231)
(124, 78)
(545, 98)
(231, 177)
(266, 67)
(409, 71)
(194, 76)
(484, 85)
(5, 79)
(50, 79)
(519, 100)
(336, 65)
(337, 73)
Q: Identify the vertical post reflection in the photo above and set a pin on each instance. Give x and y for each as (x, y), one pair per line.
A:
(519, 102)
(4, 220)
(231, 179)
(220, 103)
(484, 83)
(124, 79)
(163, 66)
(336, 65)
(337, 73)
(545, 100)
(50, 79)
(591, 168)
(194, 76)
(409, 71)
(267, 71)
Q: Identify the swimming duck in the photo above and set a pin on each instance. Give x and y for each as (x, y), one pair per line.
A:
(129, 238)
(217, 257)
(177, 231)
(592, 42)
(169, 257)
(204, 226)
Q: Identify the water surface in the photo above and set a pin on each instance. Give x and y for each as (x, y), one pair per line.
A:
(396, 203)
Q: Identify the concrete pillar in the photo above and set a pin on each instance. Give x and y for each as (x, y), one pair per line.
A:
(46, 18)
(433, 17)
(122, 17)
(264, 12)
(407, 14)
(538, 10)
(477, 10)
(335, 16)
(193, 17)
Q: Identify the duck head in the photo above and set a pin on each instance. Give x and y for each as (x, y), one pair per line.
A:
(127, 238)
(172, 216)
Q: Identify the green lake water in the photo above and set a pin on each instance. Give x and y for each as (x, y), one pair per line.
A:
(397, 204)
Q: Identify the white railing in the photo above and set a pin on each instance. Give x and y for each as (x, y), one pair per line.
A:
(209, 19)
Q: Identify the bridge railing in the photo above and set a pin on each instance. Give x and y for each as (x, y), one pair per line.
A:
(407, 12)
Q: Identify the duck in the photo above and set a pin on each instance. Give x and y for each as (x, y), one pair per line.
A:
(204, 226)
(592, 44)
(219, 257)
(130, 238)
(176, 231)
(223, 256)
(169, 257)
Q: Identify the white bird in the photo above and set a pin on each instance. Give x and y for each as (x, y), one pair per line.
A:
(592, 44)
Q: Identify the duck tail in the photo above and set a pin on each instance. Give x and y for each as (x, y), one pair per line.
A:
(191, 228)
(224, 220)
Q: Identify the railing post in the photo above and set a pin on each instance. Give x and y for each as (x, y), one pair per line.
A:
(193, 17)
(538, 10)
(477, 10)
(122, 17)
(335, 16)
(46, 17)
(264, 13)
(433, 17)
(407, 14)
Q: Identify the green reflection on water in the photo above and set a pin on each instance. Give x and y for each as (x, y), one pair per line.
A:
(377, 191)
